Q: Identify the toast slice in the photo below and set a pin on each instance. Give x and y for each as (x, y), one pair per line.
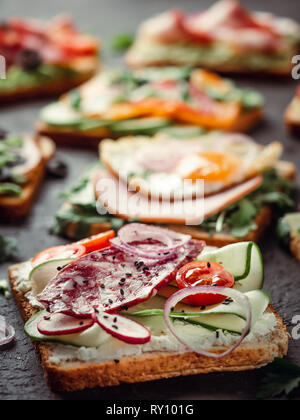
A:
(90, 120)
(209, 39)
(69, 136)
(82, 69)
(14, 208)
(76, 229)
(292, 115)
(74, 375)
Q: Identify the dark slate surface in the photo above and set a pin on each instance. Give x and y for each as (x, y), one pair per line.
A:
(20, 372)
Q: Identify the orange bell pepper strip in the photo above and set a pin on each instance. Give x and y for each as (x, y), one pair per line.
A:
(223, 117)
(98, 241)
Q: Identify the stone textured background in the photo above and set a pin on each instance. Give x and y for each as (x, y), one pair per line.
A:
(21, 376)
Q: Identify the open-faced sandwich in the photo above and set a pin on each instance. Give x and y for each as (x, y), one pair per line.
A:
(226, 38)
(243, 182)
(289, 232)
(292, 114)
(23, 161)
(146, 305)
(44, 58)
(125, 102)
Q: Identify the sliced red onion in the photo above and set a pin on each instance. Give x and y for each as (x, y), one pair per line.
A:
(7, 332)
(239, 297)
(139, 233)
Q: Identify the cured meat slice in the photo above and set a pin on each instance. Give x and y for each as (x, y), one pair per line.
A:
(111, 280)
(114, 196)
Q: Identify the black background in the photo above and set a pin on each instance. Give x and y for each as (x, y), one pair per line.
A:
(21, 376)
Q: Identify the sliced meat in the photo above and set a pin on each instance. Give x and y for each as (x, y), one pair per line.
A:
(110, 280)
(114, 196)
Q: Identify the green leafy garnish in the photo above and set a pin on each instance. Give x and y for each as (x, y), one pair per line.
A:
(4, 288)
(10, 189)
(75, 99)
(282, 377)
(239, 218)
(8, 248)
(122, 41)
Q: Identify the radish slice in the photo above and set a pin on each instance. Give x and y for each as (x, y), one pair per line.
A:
(123, 328)
(7, 332)
(240, 298)
(61, 324)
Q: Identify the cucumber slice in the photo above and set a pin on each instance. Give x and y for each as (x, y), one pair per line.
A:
(61, 115)
(93, 337)
(229, 317)
(293, 221)
(146, 126)
(41, 275)
(243, 260)
(183, 131)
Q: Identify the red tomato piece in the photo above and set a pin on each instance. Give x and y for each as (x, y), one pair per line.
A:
(204, 273)
(59, 252)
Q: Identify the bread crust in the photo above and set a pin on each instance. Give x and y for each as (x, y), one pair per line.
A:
(14, 208)
(295, 245)
(68, 136)
(283, 72)
(76, 375)
(86, 69)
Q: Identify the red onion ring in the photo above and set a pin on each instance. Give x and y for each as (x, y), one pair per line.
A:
(7, 332)
(231, 293)
(136, 232)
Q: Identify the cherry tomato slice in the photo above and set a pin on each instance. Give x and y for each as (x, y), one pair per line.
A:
(204, 273)
(98, 241)
(59, 252)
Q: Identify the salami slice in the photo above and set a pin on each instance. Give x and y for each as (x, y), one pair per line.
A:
(110, 280)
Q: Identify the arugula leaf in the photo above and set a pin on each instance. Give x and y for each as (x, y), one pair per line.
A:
(8, 248)
(122, 41)
(10, 189)
(239, 218)
(282, 376)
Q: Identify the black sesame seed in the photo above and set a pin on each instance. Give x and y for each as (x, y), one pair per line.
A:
(85, 281)
(123, 279)
(208, 265)
(122, 292)
(217, 334)
(59, 268)
(102, 286)
(75, 284)
(96, 310)
(172, 309)
(110, 301)
(146, 268)
(117, 361)
(105, 317)
(183, 311)
(115, 327)
(203, 308)
(129, 274)
(81, 323)
(115, 319)
(47, 318)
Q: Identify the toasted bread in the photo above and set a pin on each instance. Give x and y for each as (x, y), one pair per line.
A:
(292, 117)
(13, 208)
(85, 69)
(76, 375)
(227, 69)
(286, 169)
(68, 136)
